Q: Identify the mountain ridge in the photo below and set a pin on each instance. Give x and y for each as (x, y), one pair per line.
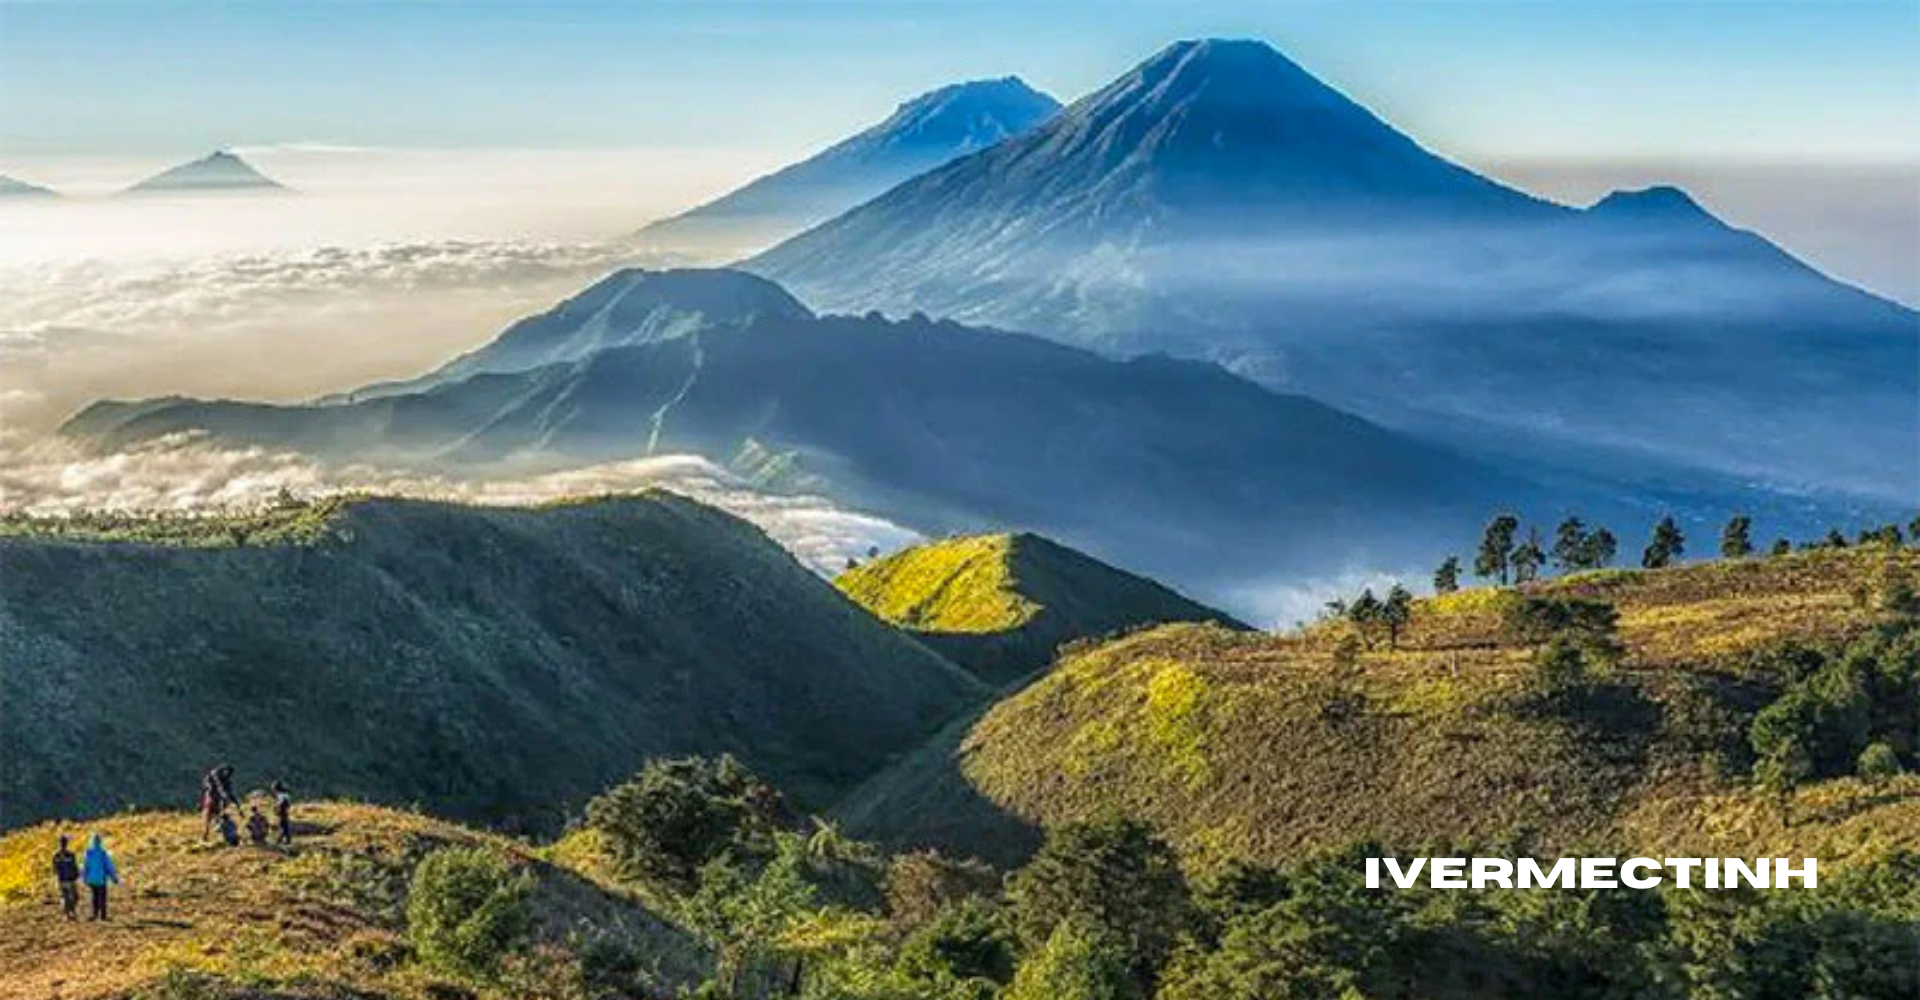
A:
(1218, 202)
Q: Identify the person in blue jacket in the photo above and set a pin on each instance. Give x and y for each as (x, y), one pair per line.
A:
(98, 872)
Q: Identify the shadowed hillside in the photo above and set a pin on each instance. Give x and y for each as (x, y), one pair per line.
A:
(494, 664)
(1000, 605)
(1267, 746)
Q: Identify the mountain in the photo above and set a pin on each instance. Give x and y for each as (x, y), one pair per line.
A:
(219, 171)
(1265, 747)
(1219, 202)
(921, 134)
(1178, 468)
(1000, 605)
(626, 309)
(14, 188)
(494, 664)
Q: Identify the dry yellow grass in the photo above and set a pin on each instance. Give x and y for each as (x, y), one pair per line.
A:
(308, 920)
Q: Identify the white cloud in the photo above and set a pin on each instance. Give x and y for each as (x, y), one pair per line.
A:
(52, 476)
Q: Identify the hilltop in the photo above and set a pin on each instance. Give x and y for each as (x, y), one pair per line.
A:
(1000, 605)
(493, 664)
(1246, 744)
(921, 134)
(219, 171)
(13, 187)
(321, 919)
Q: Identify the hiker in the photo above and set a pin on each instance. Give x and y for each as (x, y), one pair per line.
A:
(216, 794)
(66, 871)
(283, 811)
(229, 830)
(257, 827)
(99, 874)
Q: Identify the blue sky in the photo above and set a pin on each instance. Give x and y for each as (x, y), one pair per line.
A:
(1669, 81)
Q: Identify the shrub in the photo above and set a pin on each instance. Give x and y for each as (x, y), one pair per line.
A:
(1878, 762)
(1075, 963)
(922, 884)
(1115, 879)
(672, 818)
(964, 944)
(466, 909)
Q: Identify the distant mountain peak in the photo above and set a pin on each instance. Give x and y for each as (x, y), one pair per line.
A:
(220, 170)
(964, 116)
(629, 307)
(1660, 202)
(13, 187)
(921, 134)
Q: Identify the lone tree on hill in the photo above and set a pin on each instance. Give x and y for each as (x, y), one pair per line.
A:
(1601, 548)
(1446, 579)
(1781, 546)
(1396, 612)
(1836, 539)
(1496, 548)
(1667, 545)
(1570, 545)
(1365, 612)
(1528, 558)
(1736, 539)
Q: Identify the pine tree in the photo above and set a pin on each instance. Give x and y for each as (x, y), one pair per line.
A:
(1667, 545)
(1601, 548)
(1781, 546)
(1446, 579)
(1365, 612)
(1528, 558)
(1496, 548)
(1396, 612)
(1570, 545)
(1736, 539)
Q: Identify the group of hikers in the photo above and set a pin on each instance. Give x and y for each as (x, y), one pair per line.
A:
(96, 867)
(216, 795)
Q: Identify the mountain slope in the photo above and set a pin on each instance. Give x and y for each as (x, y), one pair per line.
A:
(1219, 202)
(921, 134)
(217, 171)
(1175, 467)
(630, 307)
(1228, 742)
(495, 664)
(1000, 605)
(322, 919)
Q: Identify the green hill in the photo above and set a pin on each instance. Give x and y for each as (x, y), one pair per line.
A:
(1000, 605)
(494, 664)
(1266, 746)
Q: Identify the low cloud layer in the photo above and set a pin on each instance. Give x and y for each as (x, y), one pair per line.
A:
(52, 476)
(276, 325)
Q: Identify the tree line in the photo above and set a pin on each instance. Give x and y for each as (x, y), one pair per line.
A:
(1510, 558)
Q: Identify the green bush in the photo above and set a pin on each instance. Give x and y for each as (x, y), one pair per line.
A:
(1878, 762)
(1115, 879)
(675, 816)
(1076, 963)
(466, 910)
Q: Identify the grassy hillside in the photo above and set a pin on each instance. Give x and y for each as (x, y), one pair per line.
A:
(323, 918)
(494, 664)
(1000, 605)
(1266, 746)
